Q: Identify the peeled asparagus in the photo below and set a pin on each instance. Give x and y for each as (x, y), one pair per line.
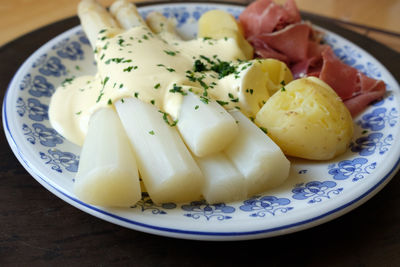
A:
(206, 127)
(107, 173)
(167, 168)
(257, 157)
(94, 18)
(223, 182)
(126, 14)
(160, 24)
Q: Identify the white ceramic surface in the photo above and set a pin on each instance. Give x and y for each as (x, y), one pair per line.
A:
(315, 192)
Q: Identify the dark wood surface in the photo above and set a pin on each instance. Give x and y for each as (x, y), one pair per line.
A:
(39, 229)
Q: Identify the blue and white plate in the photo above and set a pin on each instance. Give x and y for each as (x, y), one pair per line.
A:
(316, 192)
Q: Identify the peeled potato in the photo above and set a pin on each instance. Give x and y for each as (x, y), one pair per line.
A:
(217, 19)
(307, 119)
(218, 24)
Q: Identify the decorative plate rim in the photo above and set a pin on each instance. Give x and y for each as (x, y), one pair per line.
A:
(318, 218)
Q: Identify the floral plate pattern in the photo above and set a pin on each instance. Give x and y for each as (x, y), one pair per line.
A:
(315, 192)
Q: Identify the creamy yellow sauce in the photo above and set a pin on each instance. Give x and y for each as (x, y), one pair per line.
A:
(155, 69)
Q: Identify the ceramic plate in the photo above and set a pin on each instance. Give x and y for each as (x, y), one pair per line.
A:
(315, 192)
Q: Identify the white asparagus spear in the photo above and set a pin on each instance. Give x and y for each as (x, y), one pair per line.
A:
(223, 182)
(257, 157)
(159, 24)
(205, 125)
(167, 168)
(107, 173)
(126, 14)
(94, 18)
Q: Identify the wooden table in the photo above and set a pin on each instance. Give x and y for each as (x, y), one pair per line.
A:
(379, 20)
(39, 229)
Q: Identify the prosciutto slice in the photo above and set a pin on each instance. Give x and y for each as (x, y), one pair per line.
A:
(291, 41)
(265, 16)
(277, 32)
(355, 88)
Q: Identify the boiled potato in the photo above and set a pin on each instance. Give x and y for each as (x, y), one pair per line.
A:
(307, 119)
(218, 24)
(217, 19)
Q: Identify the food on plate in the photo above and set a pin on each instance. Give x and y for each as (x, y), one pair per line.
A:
(207, 128)
(168, 171)
(222, 180)
(107, 173)
(172, 97)
(202, 118)
(218, 24)
(257, 157)
(278, 32)
(307, 119)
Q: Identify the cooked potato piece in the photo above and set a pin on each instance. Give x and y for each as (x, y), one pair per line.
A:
(217, 19)
(307, 119)
(218, 24)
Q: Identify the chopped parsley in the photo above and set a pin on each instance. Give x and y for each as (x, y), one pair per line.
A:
(165, 118)
(233, 99)
(121, 42)
(205, 100)
(128, 69)
(249, 91)
(283, 89)
(157, 86)
(264, 129)
(109, 102)
(222, 103)
(168, 69)
(99, 97)
(199, 66)
(151, 132)
(67, 81)
(177, 89)
(117, 60)
(171, 53)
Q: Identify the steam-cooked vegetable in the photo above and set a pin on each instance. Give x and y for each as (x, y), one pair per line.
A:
(257, 157)
(107, 173)
(126, 14)
(223, 182)
(205, 126)
(168, 171)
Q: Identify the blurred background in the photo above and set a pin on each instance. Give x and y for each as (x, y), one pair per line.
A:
(379, 20)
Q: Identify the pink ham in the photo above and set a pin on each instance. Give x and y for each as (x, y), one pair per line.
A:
(291, 41)
(264, 16)
(276, 32)
(354, 88)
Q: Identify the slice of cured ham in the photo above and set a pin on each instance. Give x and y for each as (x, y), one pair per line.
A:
(355, 88)
(277, 32)
(264, 16)
(291, 41)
